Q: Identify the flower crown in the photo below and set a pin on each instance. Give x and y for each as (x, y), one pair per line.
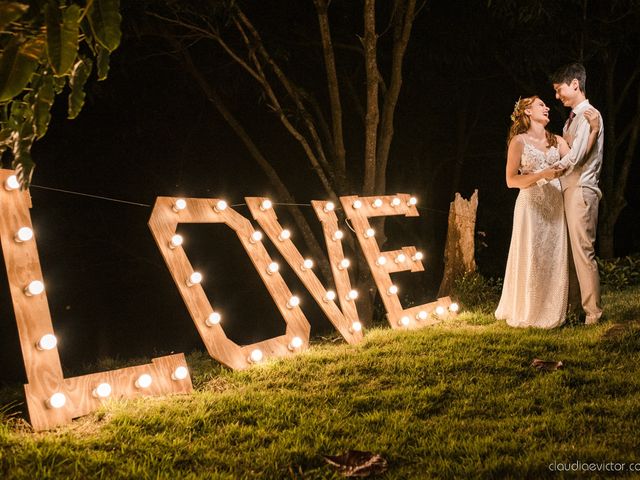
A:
(516, 110)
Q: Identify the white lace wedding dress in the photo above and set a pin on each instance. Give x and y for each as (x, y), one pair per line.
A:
(536, 280)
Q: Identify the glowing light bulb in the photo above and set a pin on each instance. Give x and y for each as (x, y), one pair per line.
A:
(369, 232)
(344, 264)
(381, 260)
(47, 342)
(272, 268)
(412, 201)
(255, 237)
(176, 241)
(144, 381)
(11, 183)
(355, 327)
(329, 207)
(214, 318)
(194, 279)
(256, 356)
(221, 206)
(266, 204)
(377, 203)
(293, 302)
(338, 235)
(392, 290)
(417, 256)
(422, 315)
(396, 202)
(401, 258)
(24, 234)
(352, 295)
(357, 204)
(330, 296)
(284, 235)
(57, 400)
(180, 204)
(307, 264)
(296, 343)
(440, 310)
(404, 321)
(454, 307)
(102, 391)
(36, 287)
(180, 373)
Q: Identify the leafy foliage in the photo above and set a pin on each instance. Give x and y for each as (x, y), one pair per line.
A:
(474, 291)
(46, 46)
(619, 273)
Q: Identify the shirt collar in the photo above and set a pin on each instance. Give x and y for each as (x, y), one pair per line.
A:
(581, 107)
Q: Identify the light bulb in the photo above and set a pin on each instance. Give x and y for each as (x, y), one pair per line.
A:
(296, 343)
(57, 400)
(293, 302)
(176, 241)
(400, 258)
(180, 204)
(422, 315)
(337, 235)
(330, 296)
(255, 237)
(180, 373)
(396, 202)
(144, 381)
(355, 327)
(404, 321)
(352, 295)
(344, 263)
(213, 319)
(47, 342)
(266, 204)
(417, 256)
(255, 356)
(369, 232)
(221, 206)
(440, 310)
(194, 279)
(11, 183)
(284, 235)
(381, 260)
(377, 203)
(357, 204)
(272, 268)
(24, 234)
(36, 287)
(329, 207)
(102, 391)
(412, 201)
(307, 264)
(392, 290)
(454, 307)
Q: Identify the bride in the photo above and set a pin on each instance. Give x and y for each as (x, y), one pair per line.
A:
(536, 280)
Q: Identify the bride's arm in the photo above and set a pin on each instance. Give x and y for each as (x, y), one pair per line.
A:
(518, 180)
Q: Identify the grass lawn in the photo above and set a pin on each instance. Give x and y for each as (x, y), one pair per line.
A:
(457, 400)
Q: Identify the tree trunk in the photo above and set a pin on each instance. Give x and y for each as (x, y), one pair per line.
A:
(459, 254)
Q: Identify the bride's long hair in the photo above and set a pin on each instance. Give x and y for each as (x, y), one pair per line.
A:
(520, 121)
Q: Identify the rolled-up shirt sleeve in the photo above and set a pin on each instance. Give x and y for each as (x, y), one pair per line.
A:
(578, 153)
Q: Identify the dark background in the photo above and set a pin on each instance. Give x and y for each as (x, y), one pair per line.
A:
(148, 131)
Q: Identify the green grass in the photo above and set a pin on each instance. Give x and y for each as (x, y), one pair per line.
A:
(458, 400)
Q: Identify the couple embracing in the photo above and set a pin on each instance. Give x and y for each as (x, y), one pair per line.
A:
(551, 266)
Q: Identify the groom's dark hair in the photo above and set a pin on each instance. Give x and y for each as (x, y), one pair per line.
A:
(568, 72)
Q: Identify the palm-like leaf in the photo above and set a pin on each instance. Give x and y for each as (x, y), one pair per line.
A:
(17, 65)
(62, 36)
(104, 17)
(79, 76)
(10, 12)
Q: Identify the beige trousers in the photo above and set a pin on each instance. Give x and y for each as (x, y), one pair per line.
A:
(581, 212)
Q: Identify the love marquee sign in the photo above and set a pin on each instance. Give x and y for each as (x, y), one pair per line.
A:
(54, 400)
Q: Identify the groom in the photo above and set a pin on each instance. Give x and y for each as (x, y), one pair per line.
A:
(580, 190)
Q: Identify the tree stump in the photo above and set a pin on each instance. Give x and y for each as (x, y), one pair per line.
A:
(459, 253)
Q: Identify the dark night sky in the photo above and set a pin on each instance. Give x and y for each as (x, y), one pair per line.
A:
(147, 131)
